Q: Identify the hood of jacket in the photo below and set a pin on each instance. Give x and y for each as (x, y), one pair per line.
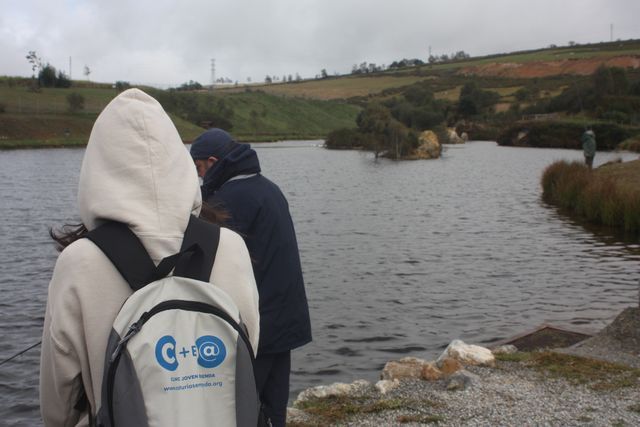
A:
(240, 160)
(136, 170)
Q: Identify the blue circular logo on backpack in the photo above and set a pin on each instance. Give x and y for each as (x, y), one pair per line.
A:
(166, 353)
(211, 351)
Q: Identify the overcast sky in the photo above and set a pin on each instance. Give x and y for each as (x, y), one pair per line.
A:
(166, 42)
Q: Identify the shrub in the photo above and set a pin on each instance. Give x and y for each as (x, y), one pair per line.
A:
(62, 80)
(47, 76)
(75, 101)
(122, 85)
(594, 195)
(631, 144)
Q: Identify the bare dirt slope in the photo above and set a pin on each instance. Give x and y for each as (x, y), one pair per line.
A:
(549, 68)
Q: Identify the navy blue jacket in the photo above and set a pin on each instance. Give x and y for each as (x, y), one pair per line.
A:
(260, 213)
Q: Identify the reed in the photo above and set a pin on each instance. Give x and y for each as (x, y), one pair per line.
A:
(603, 196)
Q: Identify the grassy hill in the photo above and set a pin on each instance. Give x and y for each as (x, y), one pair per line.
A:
(34, 119)
(314, 108)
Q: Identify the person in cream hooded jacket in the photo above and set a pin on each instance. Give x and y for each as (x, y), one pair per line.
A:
(136, 170)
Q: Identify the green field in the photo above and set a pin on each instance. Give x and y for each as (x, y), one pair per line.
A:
(34, 119)
(295, 118)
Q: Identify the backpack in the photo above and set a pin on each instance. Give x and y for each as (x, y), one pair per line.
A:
(178, 353)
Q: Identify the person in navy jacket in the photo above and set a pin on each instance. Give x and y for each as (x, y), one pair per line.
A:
(260, 213)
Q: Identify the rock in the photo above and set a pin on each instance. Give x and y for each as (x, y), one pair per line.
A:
(336, 389)
(449, 366)
(521, 138)
(468, 354)
(464, 136)
(461, 381)
(407, 367)
(385, 386)
(505, 349)
(430, 372)
(429, 146)
(297, 416)
(453, 137)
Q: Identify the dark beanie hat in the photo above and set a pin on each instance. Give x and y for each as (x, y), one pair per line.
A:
(214, 142)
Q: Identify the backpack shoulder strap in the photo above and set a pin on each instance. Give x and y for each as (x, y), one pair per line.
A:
(205, 236)
(125, 251)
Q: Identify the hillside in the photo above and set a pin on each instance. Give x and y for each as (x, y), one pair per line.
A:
(34, 119)
(559, 64)
(515, 85)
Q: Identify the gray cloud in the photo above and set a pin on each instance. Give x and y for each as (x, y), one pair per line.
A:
(169, 42)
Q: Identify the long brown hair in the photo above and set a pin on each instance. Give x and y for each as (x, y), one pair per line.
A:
(69, 233)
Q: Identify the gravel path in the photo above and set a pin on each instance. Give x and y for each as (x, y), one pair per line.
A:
(514, 394)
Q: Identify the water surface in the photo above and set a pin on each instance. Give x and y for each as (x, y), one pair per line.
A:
(399, 258)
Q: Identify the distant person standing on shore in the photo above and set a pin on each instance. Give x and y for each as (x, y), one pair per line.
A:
(260, 213)
(589, 146)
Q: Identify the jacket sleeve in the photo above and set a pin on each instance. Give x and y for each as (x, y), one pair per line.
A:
(232, 272)
(60, 368)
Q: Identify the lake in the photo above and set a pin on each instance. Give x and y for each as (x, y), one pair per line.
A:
(399, 258)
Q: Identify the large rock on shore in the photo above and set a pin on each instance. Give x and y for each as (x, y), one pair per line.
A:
(407, 367)
(429, 146)
(468, 354)
(336, 389)
(453, 137)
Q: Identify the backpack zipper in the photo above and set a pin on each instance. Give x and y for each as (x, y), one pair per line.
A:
(136, 326)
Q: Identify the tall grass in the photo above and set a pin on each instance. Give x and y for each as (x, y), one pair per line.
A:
(593, 195)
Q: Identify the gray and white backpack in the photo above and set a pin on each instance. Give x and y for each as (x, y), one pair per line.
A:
(178, 353)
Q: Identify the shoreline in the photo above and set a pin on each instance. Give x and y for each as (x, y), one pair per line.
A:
(572, 385)
(28, 144)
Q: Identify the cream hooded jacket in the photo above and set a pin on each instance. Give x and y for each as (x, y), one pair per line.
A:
(137, 171)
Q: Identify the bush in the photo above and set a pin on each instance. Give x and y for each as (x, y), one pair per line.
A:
(47, 76)
(594, 195)
(122, 85)
(75, 101)
(631, 144)
(62, 80)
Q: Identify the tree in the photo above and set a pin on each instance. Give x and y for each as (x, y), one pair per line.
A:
(474, 100)
(35, 61)
(323, 73)
(191, 85)
(87, 71)
(62, 80)
(122, 85)
(268, 79)
(383, 133)
(47, 76)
